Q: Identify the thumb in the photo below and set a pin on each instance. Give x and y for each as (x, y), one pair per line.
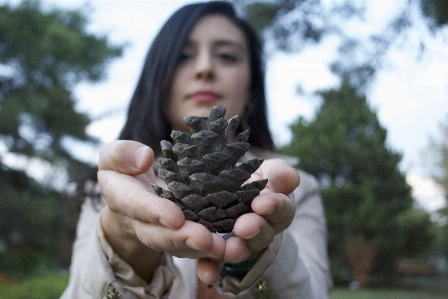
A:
(282, 178)
(125, 156)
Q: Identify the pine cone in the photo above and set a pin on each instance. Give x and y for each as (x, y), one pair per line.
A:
(202, 173)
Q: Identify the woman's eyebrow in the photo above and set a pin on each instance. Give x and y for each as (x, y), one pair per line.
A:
(229, 42)
(219, 42)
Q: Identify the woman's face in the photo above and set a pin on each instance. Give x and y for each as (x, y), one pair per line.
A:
(214, 69)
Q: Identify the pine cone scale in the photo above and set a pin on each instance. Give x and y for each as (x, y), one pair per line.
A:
(222, 199)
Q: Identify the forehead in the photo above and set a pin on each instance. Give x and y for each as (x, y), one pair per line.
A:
(217, 27)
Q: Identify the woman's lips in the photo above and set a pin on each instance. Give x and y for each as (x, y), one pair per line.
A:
(204, 96)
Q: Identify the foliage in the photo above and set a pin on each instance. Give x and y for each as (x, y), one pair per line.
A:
(441, 240)
(417, 233)
(436, 12)
(437, 152)
(47, 286)
(43, 55)
(366, 197)
(293, 24)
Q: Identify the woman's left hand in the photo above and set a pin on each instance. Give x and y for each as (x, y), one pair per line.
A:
(273, 212)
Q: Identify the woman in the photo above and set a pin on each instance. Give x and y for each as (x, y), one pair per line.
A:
(139, 245)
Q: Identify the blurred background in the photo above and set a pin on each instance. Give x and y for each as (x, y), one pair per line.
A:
(357, 90)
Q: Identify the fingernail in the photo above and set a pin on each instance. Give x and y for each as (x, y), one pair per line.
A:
(140, 156)
(189, 243)
(163, 222)
(254, 234)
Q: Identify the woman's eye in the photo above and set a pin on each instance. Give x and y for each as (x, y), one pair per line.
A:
(227, 57)
(185, 56)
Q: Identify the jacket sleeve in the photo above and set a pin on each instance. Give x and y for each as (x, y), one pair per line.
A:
(296, 264)
(97, 272)
(90, 273)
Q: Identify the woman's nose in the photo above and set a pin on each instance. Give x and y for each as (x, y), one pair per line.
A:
(204, 67)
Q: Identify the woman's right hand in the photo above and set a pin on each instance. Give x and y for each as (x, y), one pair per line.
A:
(138, 224)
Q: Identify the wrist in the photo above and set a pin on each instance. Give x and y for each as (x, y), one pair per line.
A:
(115, 232)
(127, 246)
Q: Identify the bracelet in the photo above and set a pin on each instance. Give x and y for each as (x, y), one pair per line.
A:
(237, 270)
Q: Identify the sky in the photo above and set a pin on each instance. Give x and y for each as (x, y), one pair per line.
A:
(410, 95)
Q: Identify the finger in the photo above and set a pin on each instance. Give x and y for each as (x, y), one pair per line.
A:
(207, 271)
(236, 250)
(125, 156)
(255, 230)
(125, 195)
(215, 252)
(281, 177)
(218, 248)
(189, 238)
(276, 208)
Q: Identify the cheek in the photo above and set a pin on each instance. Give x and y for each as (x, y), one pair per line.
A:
(176, 86)
(238, 83)
(170, 107)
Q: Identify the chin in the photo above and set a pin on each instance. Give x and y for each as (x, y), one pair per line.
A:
(202, 110)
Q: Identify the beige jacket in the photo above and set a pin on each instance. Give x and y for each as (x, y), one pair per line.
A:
(295, 266)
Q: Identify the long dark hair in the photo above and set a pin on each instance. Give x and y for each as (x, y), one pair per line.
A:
(146, 121)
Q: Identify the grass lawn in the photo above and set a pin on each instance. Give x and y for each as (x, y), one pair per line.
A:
(51, 286)
(384, 294)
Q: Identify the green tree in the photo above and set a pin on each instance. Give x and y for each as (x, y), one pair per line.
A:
(369, 206)
(438, 163)
(438, 147)
(436, 12)
(43, 55)
(292, 25)
(366, 197)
